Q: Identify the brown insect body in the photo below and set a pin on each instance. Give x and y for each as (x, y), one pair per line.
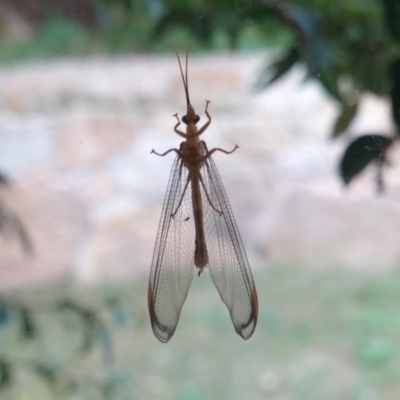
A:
(192, 151)
(216, 245)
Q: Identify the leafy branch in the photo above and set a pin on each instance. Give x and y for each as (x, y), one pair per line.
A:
(350, 49)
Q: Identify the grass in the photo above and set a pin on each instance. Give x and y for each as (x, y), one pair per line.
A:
(320, 335)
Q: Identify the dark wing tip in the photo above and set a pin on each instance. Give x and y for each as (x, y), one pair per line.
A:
(246, 330)
(162, 332)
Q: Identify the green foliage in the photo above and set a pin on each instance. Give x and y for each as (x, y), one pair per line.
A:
(316, 329)
(134, 25)
(350, 48)
(40, 342)
(344, 45)
(375, 353)
(58, 37)
(207, 20)
(392, 13)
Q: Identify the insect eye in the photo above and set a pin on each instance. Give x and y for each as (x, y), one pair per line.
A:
(197, 119)
(184, 119)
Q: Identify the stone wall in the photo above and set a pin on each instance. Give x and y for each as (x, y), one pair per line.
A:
(76, 136)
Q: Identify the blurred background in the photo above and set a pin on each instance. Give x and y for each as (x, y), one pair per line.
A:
(310, 92)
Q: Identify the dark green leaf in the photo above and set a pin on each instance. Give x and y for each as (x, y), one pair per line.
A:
(88, 320)
(11, 224)
(344, 119)
(3, 179)
(303, 21)
(23, 236)
(4, 313)
(360, 153)
(320, 56)
(279, 68)
(28, 326)
(395, 92)
(306, 19)
(392, 13)
(81, 311)
(6, 374)
(93, 328)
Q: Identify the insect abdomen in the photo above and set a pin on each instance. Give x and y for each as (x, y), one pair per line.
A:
(200, 253)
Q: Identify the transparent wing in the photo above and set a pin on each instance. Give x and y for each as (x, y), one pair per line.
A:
(172, 266)
(173, 259)
(228, 264)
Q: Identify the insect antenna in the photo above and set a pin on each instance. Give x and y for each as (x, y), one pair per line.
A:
(184, 77)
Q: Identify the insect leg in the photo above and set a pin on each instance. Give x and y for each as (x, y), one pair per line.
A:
(183, 195)
(210, 153)
(207, 124)
(208, 196)
(180, 133)
(164, 154)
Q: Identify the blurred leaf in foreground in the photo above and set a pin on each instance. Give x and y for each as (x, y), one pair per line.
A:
(11, 224)
(93, 327)
(5, 374)
(392, 14)
(344, 120)
(361, 152)
(3, 179)
(395, 92)
(28, 326)
(275, 71)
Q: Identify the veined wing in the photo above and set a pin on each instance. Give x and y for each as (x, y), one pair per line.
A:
(172, 266)
(228, 264)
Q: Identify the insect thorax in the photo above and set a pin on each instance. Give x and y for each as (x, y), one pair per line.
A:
(191, 152)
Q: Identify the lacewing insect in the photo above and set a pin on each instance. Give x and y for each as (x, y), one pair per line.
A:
(198, 230)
